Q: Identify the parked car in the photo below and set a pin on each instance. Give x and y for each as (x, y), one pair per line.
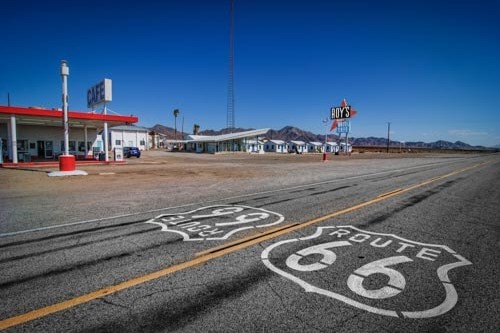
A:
(131, 151)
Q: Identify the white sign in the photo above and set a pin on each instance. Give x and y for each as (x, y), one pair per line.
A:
(344, 126)
(99, 93)
(380, 273)
(216, 222)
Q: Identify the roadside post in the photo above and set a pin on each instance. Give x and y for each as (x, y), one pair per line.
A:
(325, 121)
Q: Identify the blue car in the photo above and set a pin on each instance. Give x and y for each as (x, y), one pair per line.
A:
(131, 151)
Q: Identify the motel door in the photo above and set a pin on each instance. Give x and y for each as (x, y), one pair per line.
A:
(45, 149)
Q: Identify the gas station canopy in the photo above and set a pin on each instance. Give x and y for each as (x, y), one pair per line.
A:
(47, 117)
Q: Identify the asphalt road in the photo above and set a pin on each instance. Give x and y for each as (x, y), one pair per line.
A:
(398, 245)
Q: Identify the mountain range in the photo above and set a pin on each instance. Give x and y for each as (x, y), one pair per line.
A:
(289, 133)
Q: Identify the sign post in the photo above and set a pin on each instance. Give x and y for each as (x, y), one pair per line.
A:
(101, 93)
(341, 120)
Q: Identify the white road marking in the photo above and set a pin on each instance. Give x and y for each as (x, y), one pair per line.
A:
(185, 223)
(395, 285)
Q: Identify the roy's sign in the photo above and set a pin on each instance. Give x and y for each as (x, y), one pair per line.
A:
(340, 112)
(379, 273)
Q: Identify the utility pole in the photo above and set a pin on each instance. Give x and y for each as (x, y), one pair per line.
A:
(388, 135)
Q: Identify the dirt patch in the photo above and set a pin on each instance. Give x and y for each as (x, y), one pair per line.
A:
(159, 167)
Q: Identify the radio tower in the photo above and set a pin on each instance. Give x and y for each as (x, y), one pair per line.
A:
(230, 85)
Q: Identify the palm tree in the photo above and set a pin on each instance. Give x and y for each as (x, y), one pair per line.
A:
(176, 113)
(196, 129)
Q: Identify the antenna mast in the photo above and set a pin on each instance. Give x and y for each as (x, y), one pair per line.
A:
(230, 86)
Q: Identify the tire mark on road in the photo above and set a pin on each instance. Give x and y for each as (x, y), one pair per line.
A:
(332, 190)
(85, 264)
(72, 233)
(411, 201)
(81, 244)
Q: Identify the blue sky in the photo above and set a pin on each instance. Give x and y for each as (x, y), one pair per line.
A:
(431, 68)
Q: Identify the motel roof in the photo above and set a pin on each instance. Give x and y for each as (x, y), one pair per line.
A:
(47, 117)
(277, 142)
(228, 137)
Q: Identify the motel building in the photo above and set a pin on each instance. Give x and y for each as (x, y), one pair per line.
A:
(276, 146)
(37, 134)
(247, 141)
(297, 147)
(332, 147)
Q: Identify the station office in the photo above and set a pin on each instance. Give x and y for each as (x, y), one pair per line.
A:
(38, 134)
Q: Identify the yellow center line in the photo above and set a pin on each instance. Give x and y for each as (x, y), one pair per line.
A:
(209, 255)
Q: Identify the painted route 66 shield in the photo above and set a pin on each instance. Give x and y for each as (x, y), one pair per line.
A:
(380, 273)
(216, 222)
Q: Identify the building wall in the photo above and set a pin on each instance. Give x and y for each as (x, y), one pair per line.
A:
(313, 148)
(275, 147)
(299, 148)
(41, 142)
(124, 138)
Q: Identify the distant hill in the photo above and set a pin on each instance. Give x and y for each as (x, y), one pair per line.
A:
(289, 133)
(168, 131)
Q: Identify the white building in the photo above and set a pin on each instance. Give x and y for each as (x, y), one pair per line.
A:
(156, 140)
(232, 142)
(30, 134)
(315, 147)
(298, 147)
(345, 149)
(275, 146)
(332, 147)
(128, 136)
(254, 146)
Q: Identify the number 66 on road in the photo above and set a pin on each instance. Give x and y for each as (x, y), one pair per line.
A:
(355, 281)
(430, 263)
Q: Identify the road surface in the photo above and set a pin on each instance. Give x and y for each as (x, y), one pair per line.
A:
(352, 246)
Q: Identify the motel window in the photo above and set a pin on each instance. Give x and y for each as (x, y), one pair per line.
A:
(143, 143)
(118, 142)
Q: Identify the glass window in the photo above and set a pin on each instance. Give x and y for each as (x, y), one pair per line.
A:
(118, 142)
(81, 146)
